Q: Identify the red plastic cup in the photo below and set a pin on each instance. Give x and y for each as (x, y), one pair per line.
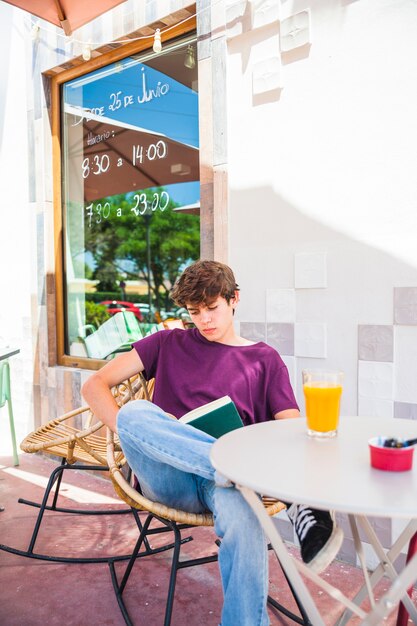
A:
(390, 459)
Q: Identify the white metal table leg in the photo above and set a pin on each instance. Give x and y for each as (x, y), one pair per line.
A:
(380, 570)
(284, 558)
(387, 564)
(397, 592)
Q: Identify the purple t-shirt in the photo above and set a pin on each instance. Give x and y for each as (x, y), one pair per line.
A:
(191, 371)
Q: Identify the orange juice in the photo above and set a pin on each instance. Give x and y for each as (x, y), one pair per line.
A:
(322, 406)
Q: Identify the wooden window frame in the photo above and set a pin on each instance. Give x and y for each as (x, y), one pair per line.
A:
(180, 24)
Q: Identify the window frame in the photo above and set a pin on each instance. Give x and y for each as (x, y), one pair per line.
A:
(182, 29)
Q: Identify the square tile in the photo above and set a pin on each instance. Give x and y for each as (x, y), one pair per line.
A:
(40, 253)
(266, 76)
(311, 271)
(405, 410)
(285, 528)
(398, 526)
(217, 25)
(375, 407)
(405, 305)
(310, 340)
(235, 14)
(375, 379)
(375, 343)
(218, 101)
(399, 564)
(264, 12)
(295, 31)
(371, 558)
(204, 32)
(347, 552)
(280, 305)
(76, 388)
(381, 526)
(281, 337)
(85, 375)
(312, 305)
(405, 363)
(254, 331)
(342, 520)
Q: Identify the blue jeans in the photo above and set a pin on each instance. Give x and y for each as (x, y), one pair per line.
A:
(172, 463)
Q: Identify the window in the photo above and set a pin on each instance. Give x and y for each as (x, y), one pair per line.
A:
(130, 189)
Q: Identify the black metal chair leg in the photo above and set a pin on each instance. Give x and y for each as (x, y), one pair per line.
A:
(304, 619)
(140, 526)
(55, 474)
(177, 565)
(119, 587)
(134, 554)
(58, 484)
(65, 466)
(56, 477)
(299, 604)
(173, 576)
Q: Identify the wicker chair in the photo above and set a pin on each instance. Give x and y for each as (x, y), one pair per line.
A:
(176, 521)
(76, 438)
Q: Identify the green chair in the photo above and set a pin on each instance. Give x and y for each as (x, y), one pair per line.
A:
(6, 396)
(148, 328)
(115, 335)
(132, 325)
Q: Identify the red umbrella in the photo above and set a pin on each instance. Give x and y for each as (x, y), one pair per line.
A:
(68, 14)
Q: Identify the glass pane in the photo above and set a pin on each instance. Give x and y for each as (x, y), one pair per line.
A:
(131, 195)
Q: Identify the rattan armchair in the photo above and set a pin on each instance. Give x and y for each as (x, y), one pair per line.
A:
(78, 438)
(176, 521)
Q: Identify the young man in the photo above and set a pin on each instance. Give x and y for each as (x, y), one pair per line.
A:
(171, 459)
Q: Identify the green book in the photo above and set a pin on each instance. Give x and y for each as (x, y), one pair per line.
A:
(215, 418)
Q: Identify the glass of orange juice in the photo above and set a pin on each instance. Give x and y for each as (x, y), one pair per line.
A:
(322, 393)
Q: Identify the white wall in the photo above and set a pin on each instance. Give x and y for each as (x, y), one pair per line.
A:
(16, 221)
(327, 165)
(27, 250)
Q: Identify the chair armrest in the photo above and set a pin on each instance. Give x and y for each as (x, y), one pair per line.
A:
(57, 433)
(59, 437)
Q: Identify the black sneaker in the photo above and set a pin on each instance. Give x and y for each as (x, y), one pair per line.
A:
(320, 539)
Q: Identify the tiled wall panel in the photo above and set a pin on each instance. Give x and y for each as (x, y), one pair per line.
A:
(405, 364)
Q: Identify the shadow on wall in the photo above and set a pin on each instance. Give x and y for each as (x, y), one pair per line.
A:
(243, 44)
(260, 214)
(244, 39)
(270, 239)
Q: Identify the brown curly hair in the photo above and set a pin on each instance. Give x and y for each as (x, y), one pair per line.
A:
(204, 281)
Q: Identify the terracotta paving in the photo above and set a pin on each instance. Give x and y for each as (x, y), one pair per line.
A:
(34, 592)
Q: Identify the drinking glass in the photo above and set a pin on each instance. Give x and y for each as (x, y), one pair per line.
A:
(322, 393)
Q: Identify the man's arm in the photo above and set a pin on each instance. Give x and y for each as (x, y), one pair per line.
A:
(282, 415)
(97, 389)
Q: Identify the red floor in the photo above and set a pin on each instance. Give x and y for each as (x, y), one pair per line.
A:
(34, 592)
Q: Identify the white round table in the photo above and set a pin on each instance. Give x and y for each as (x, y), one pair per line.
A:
(278, 459)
